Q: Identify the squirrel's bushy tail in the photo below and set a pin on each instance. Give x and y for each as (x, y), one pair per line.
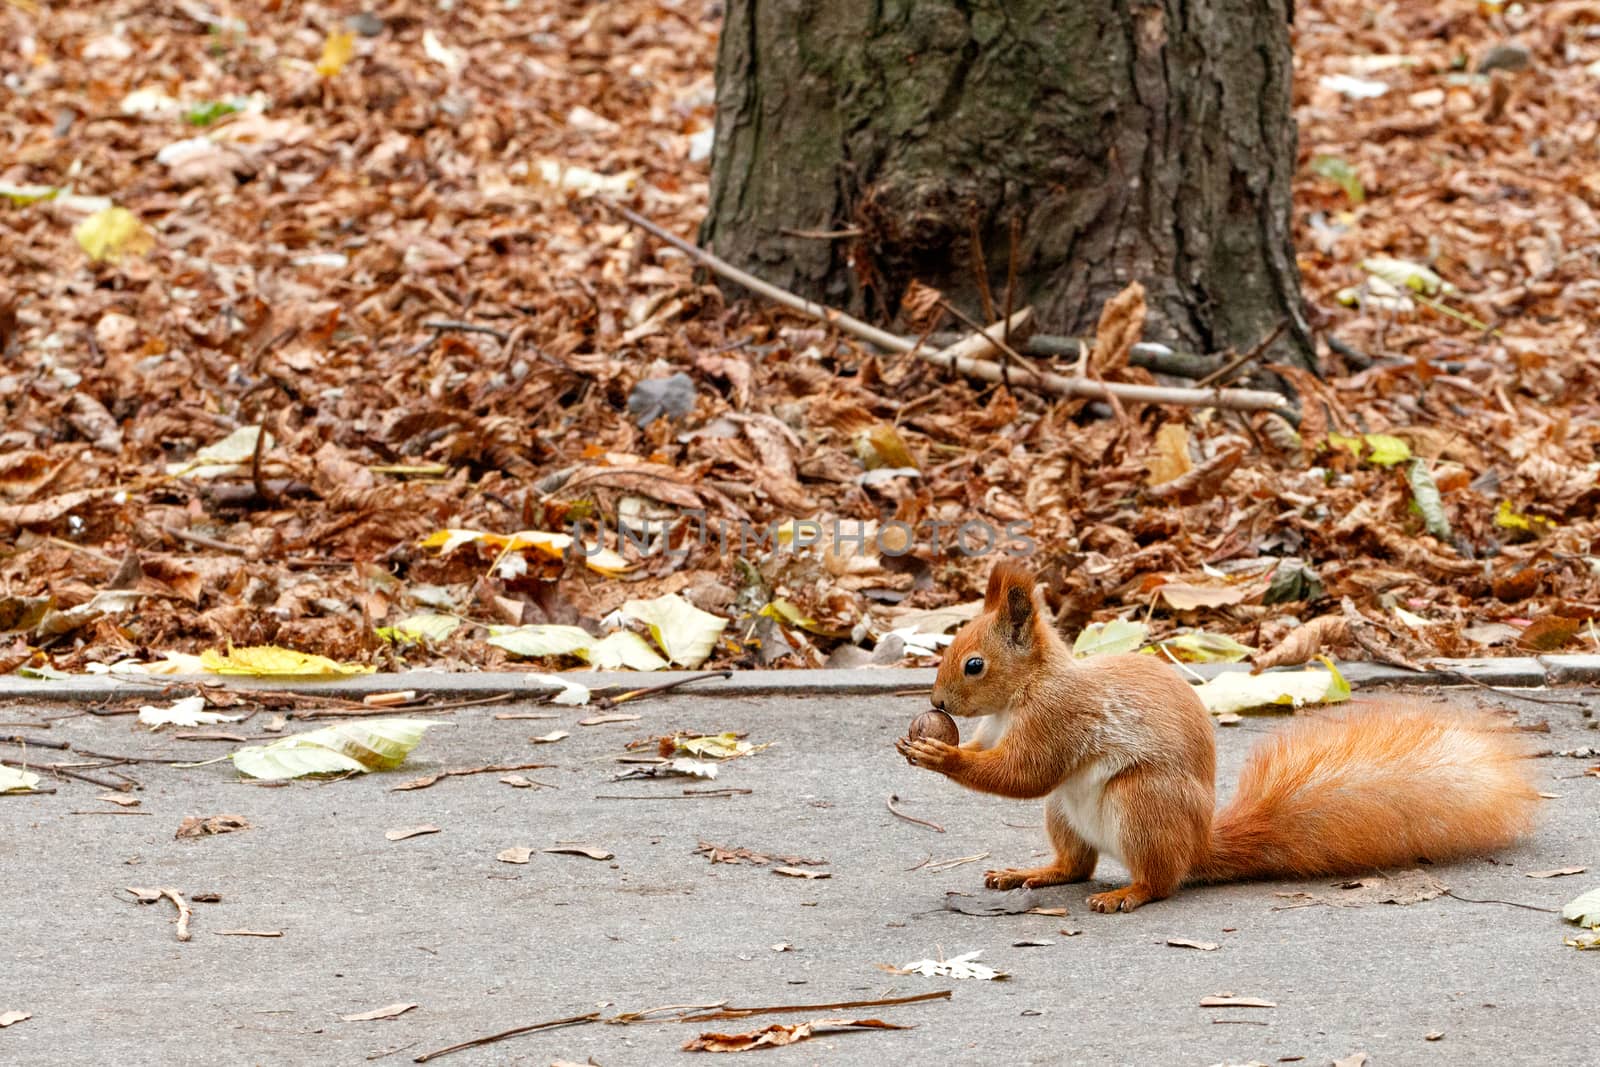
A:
(1377, 788)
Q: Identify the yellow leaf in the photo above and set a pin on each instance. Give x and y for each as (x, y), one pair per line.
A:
(270, 661)
(112, 233)
(336, 52)
(1170, 459)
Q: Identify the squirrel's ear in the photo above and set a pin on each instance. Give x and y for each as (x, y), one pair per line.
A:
(1016, 618)
(1010, 597)
(1006, 576)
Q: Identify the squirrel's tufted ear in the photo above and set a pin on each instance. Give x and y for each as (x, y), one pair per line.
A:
(1007, 575)
(1010, 597)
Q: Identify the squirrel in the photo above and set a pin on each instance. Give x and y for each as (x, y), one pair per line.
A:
(1122, 749)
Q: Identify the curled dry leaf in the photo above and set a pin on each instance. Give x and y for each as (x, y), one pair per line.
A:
(1204, 481)
(1305, 642)
(208, 826)
(1229, 1000)
(800, 872)
(1184, 942)
(9, 1018)
(580, 850)
(519, 854)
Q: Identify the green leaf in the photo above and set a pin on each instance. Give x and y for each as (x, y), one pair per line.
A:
(1387, 450)
(1584, 910)
(1341, 173)
(1239, 691)
(1110, 638)
(685, 633)
(426, 626)
(16, 780)
(1428, 500)
(541, 640)
(369, 745)
(1197, 646)
(210, 111)
(23, 195)
(1292, 580)
(622, 649)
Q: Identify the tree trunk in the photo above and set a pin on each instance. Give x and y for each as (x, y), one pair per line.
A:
(859, 146)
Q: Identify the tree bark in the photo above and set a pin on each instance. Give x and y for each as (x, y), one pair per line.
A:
(860, 145)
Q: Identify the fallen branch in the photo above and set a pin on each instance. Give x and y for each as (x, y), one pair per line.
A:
(962, 355)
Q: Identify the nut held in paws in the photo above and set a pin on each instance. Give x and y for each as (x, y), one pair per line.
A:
(935, 725)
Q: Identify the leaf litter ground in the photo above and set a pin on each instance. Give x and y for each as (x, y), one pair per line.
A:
(379, 240)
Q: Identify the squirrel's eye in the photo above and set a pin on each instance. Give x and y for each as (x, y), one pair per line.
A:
(973, 666)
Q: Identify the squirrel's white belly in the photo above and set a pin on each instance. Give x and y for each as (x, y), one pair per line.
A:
(1081, 801)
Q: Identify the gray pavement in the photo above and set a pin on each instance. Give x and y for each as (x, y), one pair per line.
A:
(482, 946)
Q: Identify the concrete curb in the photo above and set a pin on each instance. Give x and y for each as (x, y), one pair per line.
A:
(1520, 672)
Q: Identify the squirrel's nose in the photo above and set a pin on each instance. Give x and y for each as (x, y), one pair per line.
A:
(939, 704)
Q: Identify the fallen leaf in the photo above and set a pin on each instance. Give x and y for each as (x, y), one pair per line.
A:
(1228, 1000)
(388, 1011)
(1197, 646)
(269, 661)
(723, 746)
(1549, 633)
(119, 799)
(1185, 596)
(411, 831)
(1236, 691)
(1305, 642)
(198, 826)
(1183, 942)
(1355, 1059)
(1031, 944)
(1584, 910)
(519, 854)
(580, 850)
(188, 711)
(1556, 873)
(112, 233)
(685, 633)
(571, 693)
(8, 1018)
(368, 745)
(601, 720)
(800, 872)
(958, 967)
(517, 781)
(337, 49)
(1110, 638)
(550, 738)
(15, 780)
(621, 649)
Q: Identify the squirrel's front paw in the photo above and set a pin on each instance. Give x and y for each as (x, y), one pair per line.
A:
(930, 754)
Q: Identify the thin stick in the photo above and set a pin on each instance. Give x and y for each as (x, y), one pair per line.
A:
(357, 712)
(744, 1013)
(27, 793)
(980, 268)
(1507, 903)
(109, 811)
(571, 1020)
(635, 694)
(911, 818)
(467, 327)
(183, 912)
(1232, 399)
(203, 541)
(1227, 370)
(120, 787)
(849, 324)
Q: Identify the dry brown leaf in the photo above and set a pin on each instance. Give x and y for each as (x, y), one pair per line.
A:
(580, 850)
(800, 872)
(1304, 643)
(1169, 458)
(388, 1011)
(1229, 1000)
(1558, 872)
(1183, 942)
(411, 831)
(1202, 482)
(1120, 327)
(206, 826)
(518, 854)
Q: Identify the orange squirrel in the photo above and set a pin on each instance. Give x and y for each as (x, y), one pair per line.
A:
(1122, 750)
